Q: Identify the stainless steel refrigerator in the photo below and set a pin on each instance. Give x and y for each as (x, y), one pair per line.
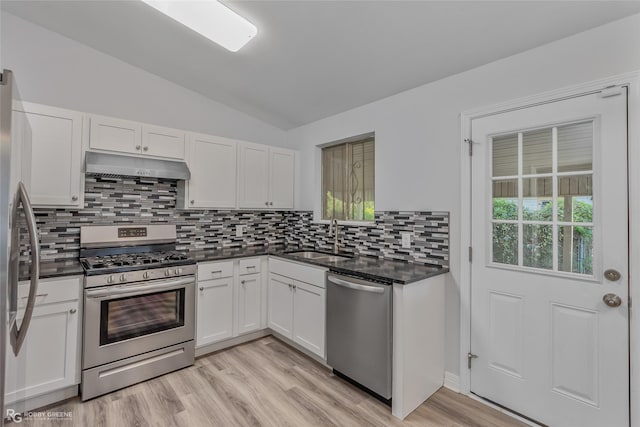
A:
(15, 213)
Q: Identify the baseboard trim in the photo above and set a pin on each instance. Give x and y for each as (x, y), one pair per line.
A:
(221, 345)
(44, 400)
(452, 381)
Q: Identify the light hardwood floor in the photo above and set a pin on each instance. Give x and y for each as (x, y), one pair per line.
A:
(262, 383)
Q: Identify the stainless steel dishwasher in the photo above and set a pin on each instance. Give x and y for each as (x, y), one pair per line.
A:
(359, 332)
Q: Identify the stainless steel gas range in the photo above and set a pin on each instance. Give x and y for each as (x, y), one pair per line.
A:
(139, 306)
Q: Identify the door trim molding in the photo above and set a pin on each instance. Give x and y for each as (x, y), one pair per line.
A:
(632, 80)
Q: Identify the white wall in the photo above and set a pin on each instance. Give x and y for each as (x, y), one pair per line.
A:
(418, 131)
(55, 70)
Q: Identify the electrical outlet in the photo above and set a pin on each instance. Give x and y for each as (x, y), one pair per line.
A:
(406, 240)
(239, 230)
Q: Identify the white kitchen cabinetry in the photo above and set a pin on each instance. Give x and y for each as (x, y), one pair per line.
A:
(230, 299)
(249, 303)
(50, 356)
(297, 303)
(212, 161)
(111, 134)
(52, 161)
(124, 136)
(265, 177)
(163, 142)
(281, 178)
(214, 312)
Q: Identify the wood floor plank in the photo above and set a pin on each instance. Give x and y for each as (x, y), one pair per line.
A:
(263, 383)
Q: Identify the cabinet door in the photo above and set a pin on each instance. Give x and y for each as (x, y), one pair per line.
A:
(309, 317)
(163, 142)
(215, 311)
(111, 134)
(281, 177)
(52, 164)
(212, 161)
(249, 303)
(253, 176)
(281, 304)
(48, 360)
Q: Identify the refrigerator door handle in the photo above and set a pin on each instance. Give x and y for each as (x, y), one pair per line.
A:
(18, 334)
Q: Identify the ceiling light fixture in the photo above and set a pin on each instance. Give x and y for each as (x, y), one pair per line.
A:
(209, 18)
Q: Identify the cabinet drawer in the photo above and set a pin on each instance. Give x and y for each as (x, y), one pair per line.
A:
(50, 291)
(215, 270)
(302, 272)
(249, 266)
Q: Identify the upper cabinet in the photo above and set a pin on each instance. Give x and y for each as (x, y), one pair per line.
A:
(212, 161)
(52, 160)
(124, 136)
(265, 177)
(281, 178)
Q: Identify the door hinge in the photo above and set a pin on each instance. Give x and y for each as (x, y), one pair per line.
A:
(470, 357)
(470, 254)
(470, 142)
(610, 91)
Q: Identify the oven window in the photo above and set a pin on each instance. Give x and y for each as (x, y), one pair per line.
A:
(135, 316)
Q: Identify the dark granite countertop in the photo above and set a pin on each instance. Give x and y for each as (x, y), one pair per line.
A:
(52, 268)
(365, 267)
(360, 266)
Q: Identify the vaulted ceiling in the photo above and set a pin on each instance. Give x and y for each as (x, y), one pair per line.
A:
(313, 59)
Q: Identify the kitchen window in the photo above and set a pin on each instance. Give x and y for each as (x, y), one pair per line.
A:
(348, 180)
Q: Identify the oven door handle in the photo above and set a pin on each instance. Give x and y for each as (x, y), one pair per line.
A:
(116, 291)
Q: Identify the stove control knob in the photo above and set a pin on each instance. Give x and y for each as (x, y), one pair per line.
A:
(123, 277)
(176, 271)
(146, 275)
(167, 272)
(110, 279)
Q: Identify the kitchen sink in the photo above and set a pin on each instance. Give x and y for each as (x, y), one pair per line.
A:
(318, 255)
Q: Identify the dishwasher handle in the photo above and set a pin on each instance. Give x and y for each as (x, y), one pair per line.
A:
(355, 286)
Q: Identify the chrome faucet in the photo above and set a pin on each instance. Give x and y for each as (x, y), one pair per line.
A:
(333, 230)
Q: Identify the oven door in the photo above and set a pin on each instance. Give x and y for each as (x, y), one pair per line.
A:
(127, 320)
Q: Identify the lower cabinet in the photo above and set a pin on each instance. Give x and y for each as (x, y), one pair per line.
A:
(49, 359)
(230, 299)
(249, 303)
(215, 311)
(296, 307)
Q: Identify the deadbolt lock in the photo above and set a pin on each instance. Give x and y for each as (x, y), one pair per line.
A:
(612, 275)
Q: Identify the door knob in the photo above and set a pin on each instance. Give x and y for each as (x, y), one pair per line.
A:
(612, 275)
(612, 300)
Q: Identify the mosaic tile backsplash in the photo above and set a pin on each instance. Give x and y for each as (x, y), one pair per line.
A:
(142, 200)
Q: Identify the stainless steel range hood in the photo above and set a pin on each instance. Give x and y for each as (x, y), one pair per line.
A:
(118, 165)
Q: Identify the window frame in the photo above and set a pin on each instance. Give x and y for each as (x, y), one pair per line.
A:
(320, 213)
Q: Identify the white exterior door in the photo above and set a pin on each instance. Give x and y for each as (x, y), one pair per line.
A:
(549, 235)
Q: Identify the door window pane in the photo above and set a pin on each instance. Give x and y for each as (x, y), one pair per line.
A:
(575, 249)
(505, 155)
(536, 218)
(537, 250)
(505, 199)
(537, 199)
(537, 148)
(575, 198)
(575, 147)
(505, 243)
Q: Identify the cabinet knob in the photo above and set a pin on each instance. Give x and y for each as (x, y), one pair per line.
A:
(266, 203)
(192, 202)
(138, 147)
(74, 198)
(72, 311)
(243, 282)
(270, 203)
(145, 148)
(201, 288)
